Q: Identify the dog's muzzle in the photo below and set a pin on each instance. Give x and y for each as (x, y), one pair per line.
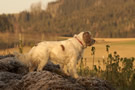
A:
(92, 41)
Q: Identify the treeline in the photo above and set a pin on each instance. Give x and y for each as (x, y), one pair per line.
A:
(104, 18)
(6, 24)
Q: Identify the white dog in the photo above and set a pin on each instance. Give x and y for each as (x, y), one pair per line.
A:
(66, 53)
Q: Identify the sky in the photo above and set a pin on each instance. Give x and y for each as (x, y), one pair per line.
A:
(16, 6)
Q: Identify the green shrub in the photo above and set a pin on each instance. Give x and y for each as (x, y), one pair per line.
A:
(118, 70)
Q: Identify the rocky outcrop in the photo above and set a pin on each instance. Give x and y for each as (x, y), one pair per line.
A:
(10, 64)
(8, 80)
(15, 76)
(46, 81)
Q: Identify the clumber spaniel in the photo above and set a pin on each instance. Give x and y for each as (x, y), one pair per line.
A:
(66, 53)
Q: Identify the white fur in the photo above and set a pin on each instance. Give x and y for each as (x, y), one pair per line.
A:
(39, 55)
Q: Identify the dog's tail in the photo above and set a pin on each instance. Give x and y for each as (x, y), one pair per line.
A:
(22, 58)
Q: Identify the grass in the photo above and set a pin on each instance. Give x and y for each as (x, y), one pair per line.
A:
(124, 43)
(119, 71)
(124, 46)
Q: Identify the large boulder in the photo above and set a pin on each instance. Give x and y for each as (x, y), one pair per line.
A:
(46, 81)
(10, 64)
(15, 76)
(8, 80)
(94, 83)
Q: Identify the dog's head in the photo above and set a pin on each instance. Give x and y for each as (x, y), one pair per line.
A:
(86, 38)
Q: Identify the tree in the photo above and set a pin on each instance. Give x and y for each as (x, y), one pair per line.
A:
(5, 24)
(36, 8)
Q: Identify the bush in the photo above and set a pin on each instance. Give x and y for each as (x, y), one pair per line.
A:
(119, 71)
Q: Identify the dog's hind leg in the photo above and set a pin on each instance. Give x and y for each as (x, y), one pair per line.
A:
(64, 69)
(32, 68)
(42, 63)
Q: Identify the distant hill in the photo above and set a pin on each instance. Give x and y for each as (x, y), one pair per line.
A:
(104, 18)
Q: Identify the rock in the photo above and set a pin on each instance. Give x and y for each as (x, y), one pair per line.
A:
(94, 83)
(10, 64)
(8, 80)
(15, 76)
(46, 80)
(5, 56)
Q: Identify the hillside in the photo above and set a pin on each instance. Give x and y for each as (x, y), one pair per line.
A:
(113, 18)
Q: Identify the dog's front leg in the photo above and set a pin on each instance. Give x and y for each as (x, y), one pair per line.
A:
(65, 69)
(72, 67)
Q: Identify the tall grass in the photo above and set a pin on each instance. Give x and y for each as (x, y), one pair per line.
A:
(118, 70)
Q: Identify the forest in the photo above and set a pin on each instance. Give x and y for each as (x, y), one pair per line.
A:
(104, 18)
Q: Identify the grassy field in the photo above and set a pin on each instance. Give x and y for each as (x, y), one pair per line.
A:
(125, 47)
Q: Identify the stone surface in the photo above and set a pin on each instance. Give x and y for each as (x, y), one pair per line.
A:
(15, 76)
(8, 80)
(10, 64)
(46, 80)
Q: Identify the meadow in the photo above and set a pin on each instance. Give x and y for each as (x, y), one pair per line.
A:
(125, 47)
(111, 59)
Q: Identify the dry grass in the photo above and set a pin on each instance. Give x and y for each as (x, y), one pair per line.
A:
(124, 46)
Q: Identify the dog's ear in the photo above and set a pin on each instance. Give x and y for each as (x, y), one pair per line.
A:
(87, 38)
